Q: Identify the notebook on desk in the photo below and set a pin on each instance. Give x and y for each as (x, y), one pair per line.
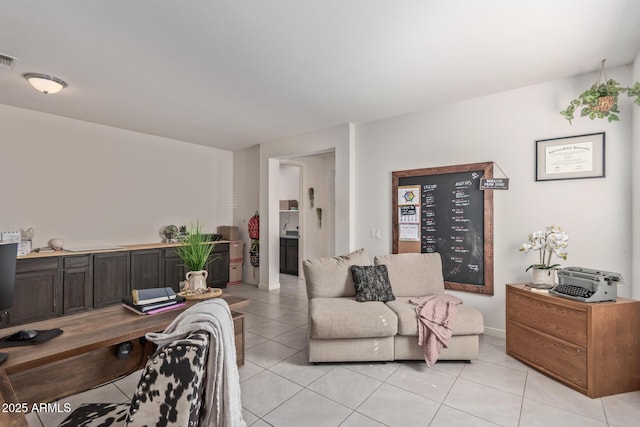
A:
(159, 307)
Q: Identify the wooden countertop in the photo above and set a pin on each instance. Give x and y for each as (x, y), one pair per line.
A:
(119, 248)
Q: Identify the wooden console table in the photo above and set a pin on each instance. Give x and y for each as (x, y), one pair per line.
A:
(593, 348)
(85, 354)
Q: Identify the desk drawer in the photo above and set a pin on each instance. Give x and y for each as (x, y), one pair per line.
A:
(565, 360)
(25, 265)
(170, 253)
(555, 319)
(76, 261)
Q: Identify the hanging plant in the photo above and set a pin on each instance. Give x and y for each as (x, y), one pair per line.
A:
(601, 99)
(319, 213)
(311, 196)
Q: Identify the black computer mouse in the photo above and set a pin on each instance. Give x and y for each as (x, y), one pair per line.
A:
(23, 335)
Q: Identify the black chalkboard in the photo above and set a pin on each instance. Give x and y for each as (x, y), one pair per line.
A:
(453, 217)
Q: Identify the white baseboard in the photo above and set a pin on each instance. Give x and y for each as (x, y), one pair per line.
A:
(269, 286)
(494, 332)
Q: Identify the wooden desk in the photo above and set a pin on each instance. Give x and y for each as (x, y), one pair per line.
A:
(593, 348)
(84, 355)
(9, 418)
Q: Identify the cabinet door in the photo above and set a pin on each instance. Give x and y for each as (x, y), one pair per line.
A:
(36, 296)
(146, 269)
(77, 286)
(110, 278)
(219, 268)
(76, 290)
(292, 256)
(173, 269)
(283, 255)
(37, 290)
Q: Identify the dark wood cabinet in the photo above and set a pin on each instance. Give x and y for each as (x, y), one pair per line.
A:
(147, 269)
(37, 291)
(174, 271)
(77, 284)
(289, 256)
(61, 284)
(111, 279)
(218, 269)
(283, 255)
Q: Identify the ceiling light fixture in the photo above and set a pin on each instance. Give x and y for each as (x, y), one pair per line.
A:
(45, 83)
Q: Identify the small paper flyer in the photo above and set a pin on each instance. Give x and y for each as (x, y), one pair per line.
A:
(409, 232)
(409, 195)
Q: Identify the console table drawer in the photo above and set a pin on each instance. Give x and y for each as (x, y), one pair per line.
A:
(557, 320)
(25, 265)
(567, 361)
(76, 261)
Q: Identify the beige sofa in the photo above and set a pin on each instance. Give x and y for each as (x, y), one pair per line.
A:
(342, 329)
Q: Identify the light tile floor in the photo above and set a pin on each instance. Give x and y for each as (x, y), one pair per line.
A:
(280, 388)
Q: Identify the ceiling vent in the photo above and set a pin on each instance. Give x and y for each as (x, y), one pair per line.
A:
(7, 62)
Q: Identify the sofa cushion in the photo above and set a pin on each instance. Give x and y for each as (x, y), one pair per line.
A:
(414, 275)
(468, 320)
(371, 283)
(330, 277)
(348, 318)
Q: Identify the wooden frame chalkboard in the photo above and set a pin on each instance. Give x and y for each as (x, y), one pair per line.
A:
(442, 209)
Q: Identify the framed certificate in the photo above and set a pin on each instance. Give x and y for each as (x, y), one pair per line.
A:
(572, 157)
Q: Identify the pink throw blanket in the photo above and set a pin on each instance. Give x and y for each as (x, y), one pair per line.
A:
(435, 317)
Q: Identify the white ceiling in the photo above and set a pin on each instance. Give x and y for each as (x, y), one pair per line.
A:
(235, 73)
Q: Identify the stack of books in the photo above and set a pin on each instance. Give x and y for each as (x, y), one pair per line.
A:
(152, 300)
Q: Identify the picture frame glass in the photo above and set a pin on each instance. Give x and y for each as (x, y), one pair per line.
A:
(574, 157)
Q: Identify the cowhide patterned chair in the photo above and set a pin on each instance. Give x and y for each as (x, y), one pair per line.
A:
(169, 392)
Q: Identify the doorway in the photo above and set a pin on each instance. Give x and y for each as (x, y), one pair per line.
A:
(290, 201)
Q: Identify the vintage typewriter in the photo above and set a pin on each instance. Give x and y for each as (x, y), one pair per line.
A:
(584, 284)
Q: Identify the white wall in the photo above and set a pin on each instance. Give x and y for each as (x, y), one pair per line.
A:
(338, 139)
(290, 184)
(246, 190)
(318, 172)
(634, 280)
(319, 241)
(503, 128)
(92, 185)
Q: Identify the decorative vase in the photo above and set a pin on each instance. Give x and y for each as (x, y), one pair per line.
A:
(197, 280)
(56, 243)
(543, 276)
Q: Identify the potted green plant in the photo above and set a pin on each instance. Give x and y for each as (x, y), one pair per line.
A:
(551, 241)
(195, 253)
(601, 99)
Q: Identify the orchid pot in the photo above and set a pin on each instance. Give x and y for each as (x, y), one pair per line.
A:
(552, 241)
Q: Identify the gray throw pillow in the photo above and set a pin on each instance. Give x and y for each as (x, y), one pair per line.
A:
(372, 283)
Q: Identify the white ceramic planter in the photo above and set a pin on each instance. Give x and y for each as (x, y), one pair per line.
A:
(544, 277)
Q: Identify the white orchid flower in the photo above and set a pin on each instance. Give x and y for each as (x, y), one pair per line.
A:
(551, 241)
